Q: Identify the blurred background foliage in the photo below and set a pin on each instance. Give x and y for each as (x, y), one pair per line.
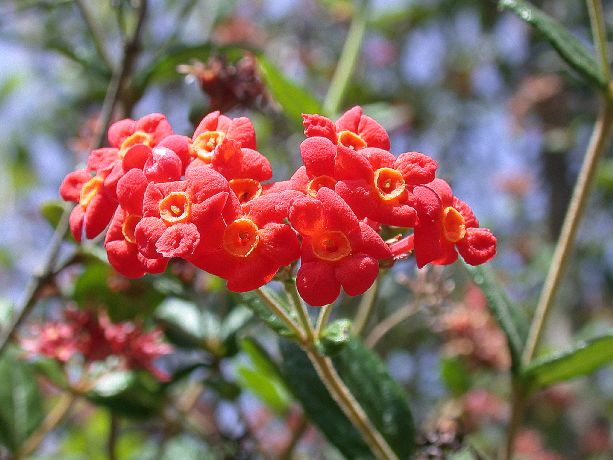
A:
(459, 80)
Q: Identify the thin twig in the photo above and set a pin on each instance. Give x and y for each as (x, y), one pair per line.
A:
(346, 63)
(322, 319)
(59, 412)
(599, 35)
(47, 272)
(598, 143)
(96, 33)
(281, 314)
(381, 329)
(297, 433)
(367, 302)
(113, 435)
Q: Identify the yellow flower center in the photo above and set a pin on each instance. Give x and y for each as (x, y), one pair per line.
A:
(319, 182)
(204, 145)
(246, 189)
(139, 137)
(351, 140)
(454, 227)
(389, 184)
(89, 191)
(129, 226)
(175, 208)
(331, 245)
(241, 237)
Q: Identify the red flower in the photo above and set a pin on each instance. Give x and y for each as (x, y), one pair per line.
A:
(122, 251)
(446, 223)
(352, 129)
(254, 244)
(378, 185)
(96, 203)
(180, 215)
(214, 128)
(149, 131)
(337, 249)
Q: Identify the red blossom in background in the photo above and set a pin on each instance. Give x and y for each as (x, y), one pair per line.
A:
(95, 337)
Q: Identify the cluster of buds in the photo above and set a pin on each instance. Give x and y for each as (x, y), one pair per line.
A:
(204, 199)
(94, 337)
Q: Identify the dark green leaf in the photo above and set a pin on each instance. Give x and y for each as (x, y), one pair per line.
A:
(130, 393)
(100, 286)
(566, 44)
(508, 316)
(334, 337)
(21, 405)
(293, 99)
(367, 378)
(253, 301)
(584, 358)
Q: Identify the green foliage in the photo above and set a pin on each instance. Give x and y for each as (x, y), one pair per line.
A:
(254, 302)
(123, 300)
(584, 358)
(334, 337)
(566, 44)
(367, 378)
(263, 379)
(21, 405)
(190, 327)
(293, 99)
(507, 314)
(130, 393)
(455, 375)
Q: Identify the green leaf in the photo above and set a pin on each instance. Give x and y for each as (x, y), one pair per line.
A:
(455, 375)
(293, 99)
(334, 337)
(264, 379)
(51, 369)
(131, 393)
(367, 378)
(21, 404)
(508, 316)
(566, 44)
(188, 326)
(584, 358)
(253, 301)
(100, 286)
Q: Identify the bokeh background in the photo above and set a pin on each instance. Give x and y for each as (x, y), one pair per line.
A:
(459, 80)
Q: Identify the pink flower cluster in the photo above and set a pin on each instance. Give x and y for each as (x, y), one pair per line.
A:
(95, 337)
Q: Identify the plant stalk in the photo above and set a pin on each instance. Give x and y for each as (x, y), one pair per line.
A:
(599, 142)
(347, 61)
(599, 34)
(335, 385)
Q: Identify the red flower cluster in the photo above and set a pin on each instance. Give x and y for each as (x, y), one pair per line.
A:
(203, 199)
(95, 338)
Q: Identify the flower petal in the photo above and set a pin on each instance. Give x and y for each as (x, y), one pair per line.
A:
(357, 273)
(318, 155)
(317, 283)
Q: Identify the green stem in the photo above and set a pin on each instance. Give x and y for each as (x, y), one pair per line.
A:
(598, 143)
(600, 36)
(335, 385)
(367, 302)
(322, 319)
(347, 61)
(518, 406)
(96, 33)
(281, 314)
